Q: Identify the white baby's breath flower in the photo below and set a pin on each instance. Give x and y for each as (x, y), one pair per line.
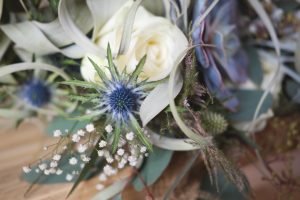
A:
(82, 165)
(37, 170)
(123, 161)
(52, 170)
(85, 158)
(90, 128)
(26, 169)
(102, 143)
(75, 138)
(143, 149)
(120, 152)
(99, 186)
(122, 142)
(46, 172)
(57, 133)
(132, 158)
(81, 148)
(53, 164)
(102, 177)
(100, 153)
(153, 36)
(109, 159)
(108, 128)
(56, 157)
(117, 158)
(130, 136)
(42, 166)
(80, 132)
(69, 177)
(59, 172)
(73, 161)
(133, 163)
(107, 169)
(121, 165)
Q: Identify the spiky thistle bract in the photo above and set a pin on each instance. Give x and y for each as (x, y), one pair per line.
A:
(117, 97)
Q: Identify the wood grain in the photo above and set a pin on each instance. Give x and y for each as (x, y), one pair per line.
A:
(21, 147)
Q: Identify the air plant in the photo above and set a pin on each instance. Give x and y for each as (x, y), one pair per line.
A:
(220, 55)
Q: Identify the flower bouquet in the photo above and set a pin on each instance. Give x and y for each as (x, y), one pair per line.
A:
(124, 85)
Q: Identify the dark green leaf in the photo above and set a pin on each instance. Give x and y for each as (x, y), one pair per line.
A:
(153, 168)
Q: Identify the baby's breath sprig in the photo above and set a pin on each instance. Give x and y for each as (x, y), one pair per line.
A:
(116, 96)
(71, 152)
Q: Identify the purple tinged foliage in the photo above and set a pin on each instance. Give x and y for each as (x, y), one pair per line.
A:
(220, 55)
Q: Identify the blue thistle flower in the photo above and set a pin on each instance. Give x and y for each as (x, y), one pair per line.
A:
(121, 100)
(117, 98)
(36, 93)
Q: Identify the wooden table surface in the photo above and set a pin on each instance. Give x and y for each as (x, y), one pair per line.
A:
(20, 147)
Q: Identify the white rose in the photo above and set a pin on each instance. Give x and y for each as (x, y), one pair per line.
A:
(153, 36)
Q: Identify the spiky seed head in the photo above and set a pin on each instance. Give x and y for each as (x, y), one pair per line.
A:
(213, 123)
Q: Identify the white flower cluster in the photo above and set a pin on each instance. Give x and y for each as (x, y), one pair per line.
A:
(129, 152)
(52, 167)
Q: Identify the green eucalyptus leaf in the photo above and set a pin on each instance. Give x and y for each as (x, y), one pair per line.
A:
(255, 68)
(248, 102)
(293, 90)
(63, 123)
(153, 168)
